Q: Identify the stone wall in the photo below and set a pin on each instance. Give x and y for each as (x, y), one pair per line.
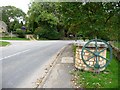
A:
(79, 64)
(116, 51)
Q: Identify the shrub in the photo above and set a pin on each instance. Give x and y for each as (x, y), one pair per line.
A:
(47, 33)
(28, 32)
(20, 33)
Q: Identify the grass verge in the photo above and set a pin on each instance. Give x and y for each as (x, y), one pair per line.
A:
(117, 44)
(13, 38)
(3, 43)
(74, 49)
(105, 79)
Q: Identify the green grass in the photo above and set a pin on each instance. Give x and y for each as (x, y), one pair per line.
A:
(117, 44)
(106, 79)
(74, 49)
(13, 38)
(3, 43)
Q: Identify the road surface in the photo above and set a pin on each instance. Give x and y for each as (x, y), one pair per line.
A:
(22, 61)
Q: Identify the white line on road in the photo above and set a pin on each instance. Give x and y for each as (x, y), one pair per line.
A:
(14, 54)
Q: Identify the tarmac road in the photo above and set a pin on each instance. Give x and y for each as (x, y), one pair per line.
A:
(22, 61)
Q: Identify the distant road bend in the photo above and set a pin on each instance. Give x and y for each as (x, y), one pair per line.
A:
(22, 61)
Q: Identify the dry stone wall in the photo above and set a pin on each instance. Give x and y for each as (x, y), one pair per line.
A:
(79, 64)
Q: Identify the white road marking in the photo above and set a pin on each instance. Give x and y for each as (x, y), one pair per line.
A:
(14, 54)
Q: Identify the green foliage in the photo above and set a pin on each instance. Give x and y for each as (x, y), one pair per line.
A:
(4, 43)
(106, 79)
(28, 32)
(13, 38)
(74, 49)
(44, 14)
(41, 32)
(11, 16)
(20, 33)
(46, 33)
(93, 19)
(45, 21)
(116, 44)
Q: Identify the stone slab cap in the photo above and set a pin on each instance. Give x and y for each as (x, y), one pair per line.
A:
(92, 44)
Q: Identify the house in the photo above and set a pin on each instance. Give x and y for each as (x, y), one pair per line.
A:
(3, 27)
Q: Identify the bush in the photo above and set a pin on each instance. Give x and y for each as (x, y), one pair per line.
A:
(20, 33)
(47, 33)
(28, 32)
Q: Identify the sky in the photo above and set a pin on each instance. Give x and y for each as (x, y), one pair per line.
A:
(22, 4)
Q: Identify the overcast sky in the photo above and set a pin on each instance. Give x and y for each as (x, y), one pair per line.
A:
(22, 4)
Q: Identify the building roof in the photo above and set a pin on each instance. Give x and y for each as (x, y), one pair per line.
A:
(3, 26)
(2, 23)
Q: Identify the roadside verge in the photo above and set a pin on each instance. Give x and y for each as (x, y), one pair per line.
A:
(48, 68)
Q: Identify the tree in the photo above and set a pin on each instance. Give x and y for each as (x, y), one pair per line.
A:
(12, 16)
(92, 19)
(45, 15)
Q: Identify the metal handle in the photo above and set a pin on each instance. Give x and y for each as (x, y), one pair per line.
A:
(96, 53)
